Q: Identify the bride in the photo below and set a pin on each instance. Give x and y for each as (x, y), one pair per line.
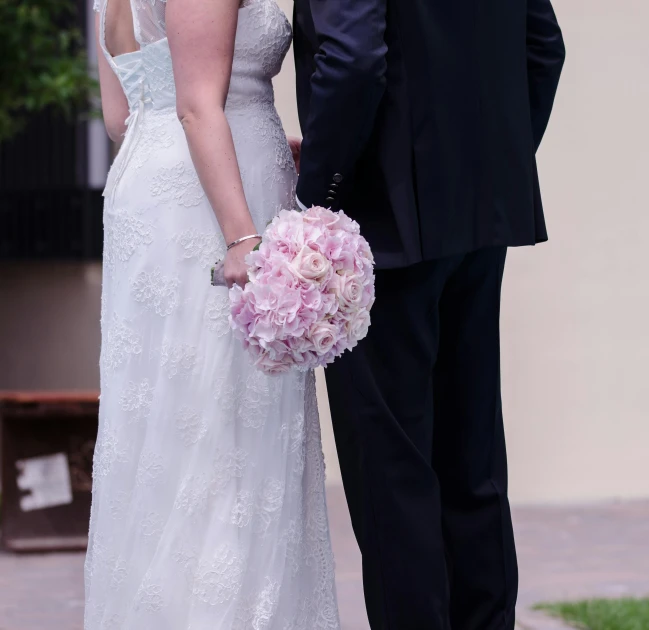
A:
(208, 505)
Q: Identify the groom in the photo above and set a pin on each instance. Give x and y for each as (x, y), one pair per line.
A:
(421, 119)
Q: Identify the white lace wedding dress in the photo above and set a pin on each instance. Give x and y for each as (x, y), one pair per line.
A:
(208, 503)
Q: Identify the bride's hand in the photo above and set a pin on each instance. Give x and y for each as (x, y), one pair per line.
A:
(235, 269)
(296, 148)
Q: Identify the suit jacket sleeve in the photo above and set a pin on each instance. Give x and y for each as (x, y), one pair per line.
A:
(545, 57)
(346, 89)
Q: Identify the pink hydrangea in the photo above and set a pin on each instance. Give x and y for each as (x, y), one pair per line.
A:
(310, 292)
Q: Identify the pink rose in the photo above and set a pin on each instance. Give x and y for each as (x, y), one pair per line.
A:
(323, 336)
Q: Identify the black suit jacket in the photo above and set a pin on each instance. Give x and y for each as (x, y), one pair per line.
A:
(421, 119)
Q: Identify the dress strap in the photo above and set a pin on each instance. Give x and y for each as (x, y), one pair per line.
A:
(102, 8)
(102, 32)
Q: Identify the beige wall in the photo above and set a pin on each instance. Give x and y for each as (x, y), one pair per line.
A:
(575, 311)
(49, 326)
(575, 334)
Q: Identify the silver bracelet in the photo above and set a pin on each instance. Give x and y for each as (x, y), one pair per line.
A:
(242, 239)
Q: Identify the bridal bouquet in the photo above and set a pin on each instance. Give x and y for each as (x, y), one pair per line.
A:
(310, 292)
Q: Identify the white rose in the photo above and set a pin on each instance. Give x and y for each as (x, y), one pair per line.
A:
(359, 325)
(311, 265)
(351, 291)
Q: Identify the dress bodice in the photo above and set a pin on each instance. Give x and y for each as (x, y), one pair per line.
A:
(262, 41)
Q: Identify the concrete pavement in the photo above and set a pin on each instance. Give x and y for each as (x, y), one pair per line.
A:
(564, 553)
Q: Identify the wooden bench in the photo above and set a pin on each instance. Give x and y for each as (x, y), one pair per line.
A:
(47, 441)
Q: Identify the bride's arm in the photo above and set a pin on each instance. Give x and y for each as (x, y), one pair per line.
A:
(201, 37)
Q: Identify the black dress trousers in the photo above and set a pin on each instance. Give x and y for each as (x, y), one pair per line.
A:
(418, 423)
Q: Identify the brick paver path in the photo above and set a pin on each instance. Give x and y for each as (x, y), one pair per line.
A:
(564, 553)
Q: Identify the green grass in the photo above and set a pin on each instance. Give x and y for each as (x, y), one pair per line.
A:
(603, 614)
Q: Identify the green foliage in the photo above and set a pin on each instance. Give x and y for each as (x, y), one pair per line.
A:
(603, 614)
(42, 62)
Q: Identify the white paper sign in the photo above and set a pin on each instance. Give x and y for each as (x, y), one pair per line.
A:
(48, 480)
